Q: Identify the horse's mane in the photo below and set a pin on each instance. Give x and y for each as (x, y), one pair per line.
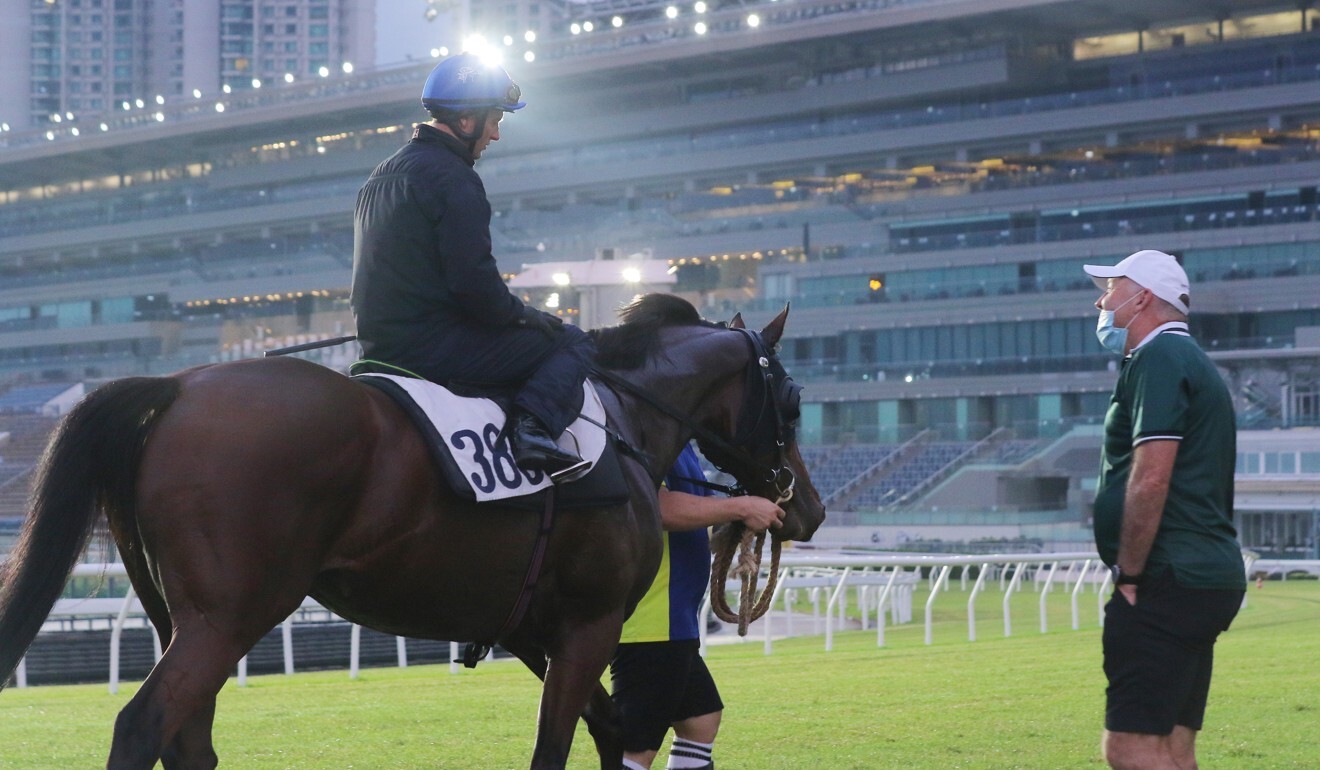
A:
(637, 336)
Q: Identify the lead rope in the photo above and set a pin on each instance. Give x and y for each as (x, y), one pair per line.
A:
(751, 607)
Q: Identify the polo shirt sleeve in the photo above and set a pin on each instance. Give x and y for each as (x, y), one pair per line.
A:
(1160, 390)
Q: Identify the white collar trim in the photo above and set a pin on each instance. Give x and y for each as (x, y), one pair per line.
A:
(1174, 327)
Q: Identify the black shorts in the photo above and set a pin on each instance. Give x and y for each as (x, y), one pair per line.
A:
(1158, 654)
(654, 685)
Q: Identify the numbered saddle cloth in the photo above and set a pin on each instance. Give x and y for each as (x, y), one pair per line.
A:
(466, 442)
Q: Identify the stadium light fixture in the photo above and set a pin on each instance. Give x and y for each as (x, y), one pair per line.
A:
(219, 106)
(753, 20)
(529, 57)
(256, 82)
(632, 274)
(160, 99)
(587, 26)
(288, 77)
(56, 118)
(508, 39)
(105, 127)
(529, 36)
(575, 28)
(616, 22)
(160, 117)
(226, 88)
(347, 68)
(197, 93)
(489, 54)
(4, 126)
(50, 136)
(323, 71)
(699, 28)
(561, 279)
(671, 12)
(68, 116)
(699, 6)
(552, 301)
(74, 131)
(140, 104)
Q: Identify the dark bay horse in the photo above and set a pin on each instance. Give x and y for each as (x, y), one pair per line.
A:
(232, 491)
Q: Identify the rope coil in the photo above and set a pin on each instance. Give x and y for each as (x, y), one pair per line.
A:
(748, 545)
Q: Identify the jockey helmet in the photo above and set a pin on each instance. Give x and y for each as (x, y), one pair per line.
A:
(463, 82)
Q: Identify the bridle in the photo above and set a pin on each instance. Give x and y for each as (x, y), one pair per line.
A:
(768, 417)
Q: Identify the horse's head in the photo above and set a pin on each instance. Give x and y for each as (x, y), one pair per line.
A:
(761, 451)
(723, 385)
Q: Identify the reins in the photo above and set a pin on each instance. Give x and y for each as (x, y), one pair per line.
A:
(734, 537)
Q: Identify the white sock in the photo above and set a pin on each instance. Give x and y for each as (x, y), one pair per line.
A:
(685, 754)
(628, 764)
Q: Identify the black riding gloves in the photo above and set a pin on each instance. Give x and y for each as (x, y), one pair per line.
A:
(540, 321)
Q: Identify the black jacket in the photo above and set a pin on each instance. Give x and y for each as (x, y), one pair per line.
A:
(422, 263)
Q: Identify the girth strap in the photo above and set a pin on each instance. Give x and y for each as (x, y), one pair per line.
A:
(473, 652)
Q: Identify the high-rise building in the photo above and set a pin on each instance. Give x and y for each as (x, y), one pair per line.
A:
(80, 58)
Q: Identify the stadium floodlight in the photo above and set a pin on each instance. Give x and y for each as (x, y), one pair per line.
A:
(489, 54)
(226, 88)
(323, 71)
(55, 117)
(288, 77)
(197, 93)
(256, 82)
(160, 99)
(699, 6)
(616, 22)
(561, 279)
(632, 274)
(105, 127)
(552, 301)
(74, 131)
(127, 106)
(587, 26)
(219, 106)
(4, 126)
(347, 68)
(508, 39)
(140, 104)
(753, 20)
(575, 28)
(50, 136)
(160, 117)
(431, 13)
(671, 12)
(529, 57)
(68, 116)
(529, 36)
(699, 28)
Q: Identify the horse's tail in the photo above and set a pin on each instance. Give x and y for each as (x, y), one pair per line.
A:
(89, 467)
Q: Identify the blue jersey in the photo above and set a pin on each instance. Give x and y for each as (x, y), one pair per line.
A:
(669, 609)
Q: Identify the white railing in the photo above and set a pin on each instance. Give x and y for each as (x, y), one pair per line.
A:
(883, 584)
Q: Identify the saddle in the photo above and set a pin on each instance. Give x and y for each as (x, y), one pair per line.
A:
(462, 425)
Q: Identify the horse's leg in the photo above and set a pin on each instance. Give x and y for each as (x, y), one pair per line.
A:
(177, 695)
(599, 714)
(572, 679)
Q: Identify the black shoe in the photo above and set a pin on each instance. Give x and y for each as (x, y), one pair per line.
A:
(534, 450)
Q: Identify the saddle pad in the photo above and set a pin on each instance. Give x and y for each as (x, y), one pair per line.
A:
(469, 430)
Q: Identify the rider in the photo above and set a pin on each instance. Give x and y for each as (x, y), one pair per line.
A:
(427, 294)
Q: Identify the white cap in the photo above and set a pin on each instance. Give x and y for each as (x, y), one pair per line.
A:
(1152, 270)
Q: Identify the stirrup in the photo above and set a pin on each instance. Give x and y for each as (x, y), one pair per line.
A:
(574, 471)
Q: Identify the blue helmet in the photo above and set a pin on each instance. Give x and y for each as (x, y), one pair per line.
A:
(464, 82)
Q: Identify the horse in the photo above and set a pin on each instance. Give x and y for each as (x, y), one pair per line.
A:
(234, 490)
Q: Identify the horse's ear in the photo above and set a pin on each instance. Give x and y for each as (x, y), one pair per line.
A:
(737, 322)
(775, 329)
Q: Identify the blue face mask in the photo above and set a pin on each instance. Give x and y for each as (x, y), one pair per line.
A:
(1112, 338)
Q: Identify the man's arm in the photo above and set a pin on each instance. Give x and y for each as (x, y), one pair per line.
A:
(680, 511)
(1143, 506)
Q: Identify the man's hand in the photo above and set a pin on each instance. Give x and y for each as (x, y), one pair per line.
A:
(1130, 593)
(756, 513)
(540, 321)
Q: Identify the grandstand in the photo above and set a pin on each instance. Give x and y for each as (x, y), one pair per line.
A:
(921, 180)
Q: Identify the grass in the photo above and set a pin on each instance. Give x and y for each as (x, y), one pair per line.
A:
(1028, 701)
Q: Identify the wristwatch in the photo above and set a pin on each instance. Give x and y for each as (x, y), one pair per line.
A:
(1122, 578)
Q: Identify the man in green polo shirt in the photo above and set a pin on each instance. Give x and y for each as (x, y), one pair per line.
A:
(1163, 515)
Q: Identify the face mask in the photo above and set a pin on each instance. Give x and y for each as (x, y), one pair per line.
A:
(1112, 338)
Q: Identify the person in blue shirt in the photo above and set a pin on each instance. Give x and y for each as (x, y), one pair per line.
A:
(658, 678)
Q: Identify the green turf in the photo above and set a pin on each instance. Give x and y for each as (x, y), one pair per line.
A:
(1028, 701)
